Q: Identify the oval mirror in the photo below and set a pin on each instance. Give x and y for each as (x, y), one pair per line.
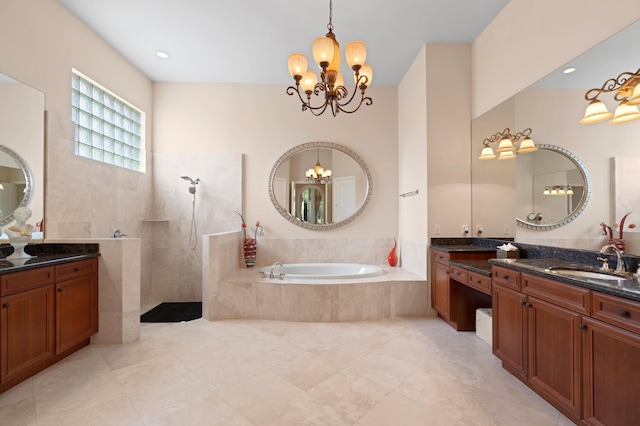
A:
(320, 185)
(552, 188)
(16, 184)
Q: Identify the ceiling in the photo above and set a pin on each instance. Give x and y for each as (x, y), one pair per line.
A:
(249, 41)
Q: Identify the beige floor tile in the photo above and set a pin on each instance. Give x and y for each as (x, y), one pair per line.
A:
(254, 372)
(349, 394)
(260, 395)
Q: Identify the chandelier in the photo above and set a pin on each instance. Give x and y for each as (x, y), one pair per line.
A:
(318, 175)
(330, 90)
(506, 145)
(626, 89)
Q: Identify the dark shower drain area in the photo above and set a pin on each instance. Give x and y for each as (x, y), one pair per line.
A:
(173, 312)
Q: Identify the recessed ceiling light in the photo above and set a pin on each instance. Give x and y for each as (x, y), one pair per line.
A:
(161, 54)
(569, 70)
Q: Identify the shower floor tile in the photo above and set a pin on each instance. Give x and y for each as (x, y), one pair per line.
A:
(173, 312)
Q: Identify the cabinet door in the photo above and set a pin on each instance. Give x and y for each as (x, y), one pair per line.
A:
(554, 354)
(611, 368)
(509, 329)
(76, 311)
(441, 289)
(27, 329)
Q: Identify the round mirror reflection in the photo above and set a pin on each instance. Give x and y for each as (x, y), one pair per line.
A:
(320, 185)
(552, 188)
(16, 184)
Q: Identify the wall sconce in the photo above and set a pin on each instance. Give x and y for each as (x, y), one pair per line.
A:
(558, 190)
(506, 145)
(626, 89)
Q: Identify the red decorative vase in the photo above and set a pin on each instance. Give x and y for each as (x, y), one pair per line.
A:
(250, 248)
(393, 255)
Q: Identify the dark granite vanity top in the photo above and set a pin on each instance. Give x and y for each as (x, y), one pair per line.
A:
(542, 260)
(45, 255)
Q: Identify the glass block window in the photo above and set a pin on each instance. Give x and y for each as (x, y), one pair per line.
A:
(107, 128)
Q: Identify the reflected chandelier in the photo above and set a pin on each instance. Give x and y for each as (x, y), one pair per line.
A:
(330, 90)
(626, 89)
(318, 175)
(506, 145)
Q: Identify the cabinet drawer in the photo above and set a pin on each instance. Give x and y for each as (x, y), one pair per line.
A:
(506, 277)
(458, 274)
(617, 311)
(577, 299)
(479, 282)
(76, 269)
(20, 281)
(440, 256)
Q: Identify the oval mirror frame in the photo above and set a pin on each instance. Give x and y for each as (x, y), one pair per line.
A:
(586, 194)
(28, 177)
(311, 145)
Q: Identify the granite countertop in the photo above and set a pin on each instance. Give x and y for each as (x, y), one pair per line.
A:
(45, 255)
(9, 266)
(482, 267)
(628, 287)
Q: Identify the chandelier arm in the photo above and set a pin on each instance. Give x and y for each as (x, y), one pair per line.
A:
(361, 82)
(365, 99)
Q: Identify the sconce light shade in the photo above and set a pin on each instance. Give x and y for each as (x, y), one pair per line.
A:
(635, 97)
(595, 113)
(527, 145)
(505, 145)
(625, 113)
(507, 155)
(546, 191)
(487, 154)
(569, 190)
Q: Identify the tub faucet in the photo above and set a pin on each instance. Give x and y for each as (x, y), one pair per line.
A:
(272, 267)
(620, 267)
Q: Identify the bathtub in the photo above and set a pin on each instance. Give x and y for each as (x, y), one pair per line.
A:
(319, 271)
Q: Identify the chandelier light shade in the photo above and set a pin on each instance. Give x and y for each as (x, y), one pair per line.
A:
(626, 91)
(328, 91)
(507, 145)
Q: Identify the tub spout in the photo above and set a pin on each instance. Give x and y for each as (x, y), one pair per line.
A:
(272, 267)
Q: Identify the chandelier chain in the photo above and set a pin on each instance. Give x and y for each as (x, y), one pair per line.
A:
(330, 24)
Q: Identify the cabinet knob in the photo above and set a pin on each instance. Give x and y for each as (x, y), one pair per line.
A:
(505, 277)
(624, 314)
(76, 269)
(478, 281)
(522, 302)
(5, 305)
(59, 290)
(582, 326)
(528, 305)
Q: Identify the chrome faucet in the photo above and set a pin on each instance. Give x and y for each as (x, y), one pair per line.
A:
(272, 267)
(620, 267)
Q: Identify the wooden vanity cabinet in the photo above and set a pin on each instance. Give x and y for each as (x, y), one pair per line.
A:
(76, 303)
(27, 323)
(456, 303)
(611, 362)
(45, 314)
(538, 338)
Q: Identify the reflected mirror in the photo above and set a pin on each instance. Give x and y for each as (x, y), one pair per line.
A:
(21, 150)
(320, 185)
(552, 188)
(552, 108)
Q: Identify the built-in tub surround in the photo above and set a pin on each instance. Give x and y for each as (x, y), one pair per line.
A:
(231, 290)
(318, 271)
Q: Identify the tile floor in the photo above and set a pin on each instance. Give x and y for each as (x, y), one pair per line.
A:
(397, 372)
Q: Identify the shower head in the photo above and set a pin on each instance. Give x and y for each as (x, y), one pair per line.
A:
(193, 182)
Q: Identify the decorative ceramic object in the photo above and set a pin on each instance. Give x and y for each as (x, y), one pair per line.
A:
(393, 255)
(20, 233)
(607, 231)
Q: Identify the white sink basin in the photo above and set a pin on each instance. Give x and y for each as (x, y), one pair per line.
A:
(589, 274)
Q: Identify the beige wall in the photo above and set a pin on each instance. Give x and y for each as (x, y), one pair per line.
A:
(529, 39)
(263, 122)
